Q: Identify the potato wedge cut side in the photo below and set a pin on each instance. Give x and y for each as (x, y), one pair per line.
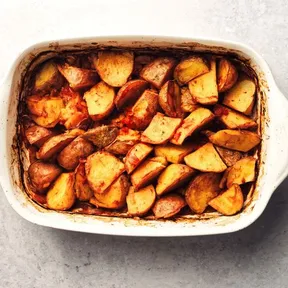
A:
(168, 206)
(188, 104)
(229, 202)
(61, 196)
(83, 191)
(194, 121)
(37, 135)
(102, 169)
(204, 87)
(205, 159)
(173, 177)
(242, 171)
(229, 157)
(235, 140)
(139, 203)
(161, 129)
(227, 75)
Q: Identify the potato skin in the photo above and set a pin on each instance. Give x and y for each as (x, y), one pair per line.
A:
(227, 75)
(37, 135)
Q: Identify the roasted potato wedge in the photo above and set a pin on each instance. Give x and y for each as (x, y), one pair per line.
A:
(227, 75)
(168, 206)
(204, 87)
(196, 119)
(158, 71)
(229, 157)
(161, 129)
(233, 119)
(242, 171)
(139, 62)
(45, 111)
(147, 171)
(102, 169)
(188, 104)
(201, 190)
(124, 141)
(114, 67)
(83, 191)
(61, 196)
(229, 202)
(170, 99)
(223, 181)
(37, 135)
(130, 92)
(42, 174)
(140, 202)
(241, 96)
(235, 139)
(190, 68)
(205, 159)
(173, 177)
(136, 155)
(143, 111)
(114, 197)
(70, 156)
(78, 78)
(100, 101)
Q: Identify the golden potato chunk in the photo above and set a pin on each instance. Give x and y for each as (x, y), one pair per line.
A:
(204, 87)
(147, 171)
(102, 169)
(168, 206)
(83, 191)
(190, 68)
(140, 202)
(236, 140)
(241, 96)
(100, 101)
(229, 157)
(61, 196)
(173, 177)
(198, 118)
(201, 190)
(37, 135)
(161, 129)
(114, 197)
(136, 155)
(227, 75)
(205, 159)
(223, 181)
(188, 104)
(242, 171)
(233, 119)
(229, 202)
(158, 71)
(114, 67)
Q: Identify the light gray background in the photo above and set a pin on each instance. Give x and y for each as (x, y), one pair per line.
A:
(32, 256)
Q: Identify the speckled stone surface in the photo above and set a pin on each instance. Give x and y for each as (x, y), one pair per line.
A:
(33, 256)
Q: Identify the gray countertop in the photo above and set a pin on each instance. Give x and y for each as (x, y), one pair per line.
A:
(34, 256)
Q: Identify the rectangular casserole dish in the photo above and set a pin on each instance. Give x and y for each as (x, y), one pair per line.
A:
(272, 163)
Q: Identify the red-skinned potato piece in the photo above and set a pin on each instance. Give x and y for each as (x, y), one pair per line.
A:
(37, 135)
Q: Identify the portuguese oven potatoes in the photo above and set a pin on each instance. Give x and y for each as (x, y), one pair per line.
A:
(156, 134)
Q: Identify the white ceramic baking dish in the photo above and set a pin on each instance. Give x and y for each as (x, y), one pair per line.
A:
(273, 160)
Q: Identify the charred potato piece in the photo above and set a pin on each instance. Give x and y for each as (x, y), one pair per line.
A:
(37, 135)
(83, 191)
(235, 140)
(201, 190)
(242, 171)
(229, 157)
(241, 96)
(190, 68)
(188, 104)
(161, 129)
(114, 197)
(204, 88)
(70, 156)
(170, 99)
(61, 196)
(158, 71)
(139, 203)
(173, 177)
(229, 202)
(42, 174)
(232, 119)
(227, 75)
(102, 169)
(168, 206)
(136, 155)
(147, 171)
(205, 159)
(198, 118)
(113, 67)
(130, 92)
(100, 101)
